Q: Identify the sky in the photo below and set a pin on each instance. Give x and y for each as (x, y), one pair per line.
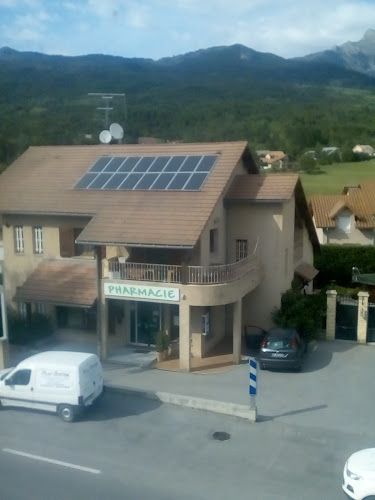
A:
(163, 28)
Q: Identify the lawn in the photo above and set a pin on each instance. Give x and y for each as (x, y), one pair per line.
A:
(334, 177)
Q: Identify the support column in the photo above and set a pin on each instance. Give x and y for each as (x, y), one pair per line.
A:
(362, 317)
(185, 337)
(237, 331)
(331, 315)
(102, 310)
(4, 353)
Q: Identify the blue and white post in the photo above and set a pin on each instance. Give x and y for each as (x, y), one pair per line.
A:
(253, 383)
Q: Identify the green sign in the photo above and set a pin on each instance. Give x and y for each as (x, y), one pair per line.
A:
(141, 292)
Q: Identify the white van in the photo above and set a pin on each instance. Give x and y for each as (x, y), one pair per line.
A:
(57, 381)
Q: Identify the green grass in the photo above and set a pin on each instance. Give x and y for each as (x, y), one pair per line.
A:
(335, 177)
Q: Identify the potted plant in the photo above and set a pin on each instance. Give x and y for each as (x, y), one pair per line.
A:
(162, 342)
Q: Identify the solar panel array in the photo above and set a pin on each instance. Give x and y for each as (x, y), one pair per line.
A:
(152, 173)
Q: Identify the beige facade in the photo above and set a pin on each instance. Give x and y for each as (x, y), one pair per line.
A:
(214, 260)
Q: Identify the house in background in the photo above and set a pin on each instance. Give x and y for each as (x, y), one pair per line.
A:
(133, 239)
(345, 218)
(365, 149)
(269, 159)
(331, 151)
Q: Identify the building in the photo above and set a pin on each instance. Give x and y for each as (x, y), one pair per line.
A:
(275, 159)
(347, 218)
(365, 149)
(133, 239)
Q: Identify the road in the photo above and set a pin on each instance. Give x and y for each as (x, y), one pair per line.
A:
(133, 448)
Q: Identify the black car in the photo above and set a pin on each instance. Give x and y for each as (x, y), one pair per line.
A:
(282, 348)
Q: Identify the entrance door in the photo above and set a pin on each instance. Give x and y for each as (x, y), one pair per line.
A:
(146, 321)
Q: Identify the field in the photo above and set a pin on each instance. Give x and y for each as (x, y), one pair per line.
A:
(335, 177)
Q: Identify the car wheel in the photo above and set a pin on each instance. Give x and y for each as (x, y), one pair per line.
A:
(66, 412)
(262, 366)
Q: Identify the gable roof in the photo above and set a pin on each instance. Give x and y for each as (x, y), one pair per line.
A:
(273, 188)
(360, 201)
(42, 180)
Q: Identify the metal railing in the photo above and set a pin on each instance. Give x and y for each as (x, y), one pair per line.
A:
(192, 275)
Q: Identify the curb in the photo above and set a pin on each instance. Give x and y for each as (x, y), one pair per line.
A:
(232, 409)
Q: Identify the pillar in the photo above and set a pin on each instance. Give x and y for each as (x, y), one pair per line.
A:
(185, 337)
(4, 353)
(237, 331)
(331, 315)
(362, 317)
(102, 309)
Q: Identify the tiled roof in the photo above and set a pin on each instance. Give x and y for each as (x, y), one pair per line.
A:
(267, 187)
(62, 283)
(42, 181)
(361, 202)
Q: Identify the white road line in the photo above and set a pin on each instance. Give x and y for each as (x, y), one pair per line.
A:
(51, 461)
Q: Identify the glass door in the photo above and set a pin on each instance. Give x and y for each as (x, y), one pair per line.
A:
(145, 322)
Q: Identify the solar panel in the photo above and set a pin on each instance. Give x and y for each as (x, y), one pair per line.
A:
(179, 181)
(179, 173)
(146, 181)
(174, 164)
(195, 182)
(115, 180)
(114, 164)
(189, 164)
(129, 163)
(100, 164)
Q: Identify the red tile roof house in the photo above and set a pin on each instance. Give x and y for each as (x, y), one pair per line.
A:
(128, 240)
(347, 218)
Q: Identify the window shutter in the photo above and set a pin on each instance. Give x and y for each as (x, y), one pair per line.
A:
(66, 242)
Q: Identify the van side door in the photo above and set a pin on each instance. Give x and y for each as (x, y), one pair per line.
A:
(18, 389)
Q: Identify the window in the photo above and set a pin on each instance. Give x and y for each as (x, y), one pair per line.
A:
(18, 239)
(344, 223)
(40, 308)
(24, 309)
(213, 240)
(38, 240)
(21, 377)
(241, 249)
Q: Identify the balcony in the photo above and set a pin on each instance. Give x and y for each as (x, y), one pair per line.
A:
(190, 275)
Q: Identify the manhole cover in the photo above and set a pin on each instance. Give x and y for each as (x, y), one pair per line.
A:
(221, 436)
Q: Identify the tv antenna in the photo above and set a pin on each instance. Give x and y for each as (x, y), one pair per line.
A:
(115, 130)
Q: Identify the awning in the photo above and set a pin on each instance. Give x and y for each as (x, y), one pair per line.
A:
(306, 271)
(60, 283)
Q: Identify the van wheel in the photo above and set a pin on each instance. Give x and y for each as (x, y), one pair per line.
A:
(66, 413)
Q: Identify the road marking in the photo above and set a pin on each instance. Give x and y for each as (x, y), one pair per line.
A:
(51, 461)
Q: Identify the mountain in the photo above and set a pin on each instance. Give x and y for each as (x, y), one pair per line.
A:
(355, 56)
(220, 93)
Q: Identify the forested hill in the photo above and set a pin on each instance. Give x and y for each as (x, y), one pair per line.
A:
(222, 93)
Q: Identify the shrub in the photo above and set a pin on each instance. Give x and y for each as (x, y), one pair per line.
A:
(27, 330)
(303, 312)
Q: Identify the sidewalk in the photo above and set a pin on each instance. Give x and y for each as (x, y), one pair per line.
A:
(224, 392)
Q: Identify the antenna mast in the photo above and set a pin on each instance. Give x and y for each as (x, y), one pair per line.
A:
(115, 130)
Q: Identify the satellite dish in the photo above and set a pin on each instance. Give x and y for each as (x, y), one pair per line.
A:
(105, 136)
(116, 131)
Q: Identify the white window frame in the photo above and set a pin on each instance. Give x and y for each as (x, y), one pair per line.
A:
(19, 241)
(344, 223)
(241, 249)
(38, 239)
(22, 307)
(40, 308)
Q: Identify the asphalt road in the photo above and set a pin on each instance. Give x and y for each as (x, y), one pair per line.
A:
(132, 448)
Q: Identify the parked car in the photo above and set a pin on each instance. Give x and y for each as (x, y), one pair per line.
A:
(359, 475)
(254, 336)
(282, 348)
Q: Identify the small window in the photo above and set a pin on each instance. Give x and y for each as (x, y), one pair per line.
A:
(18, 239)
(241, 249)
(20, 377)
(213, 240)
(40, 308)
(344, 223)
(38, 240)
(24, 309)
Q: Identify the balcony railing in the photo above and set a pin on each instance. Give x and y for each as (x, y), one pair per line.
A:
(192, 275)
